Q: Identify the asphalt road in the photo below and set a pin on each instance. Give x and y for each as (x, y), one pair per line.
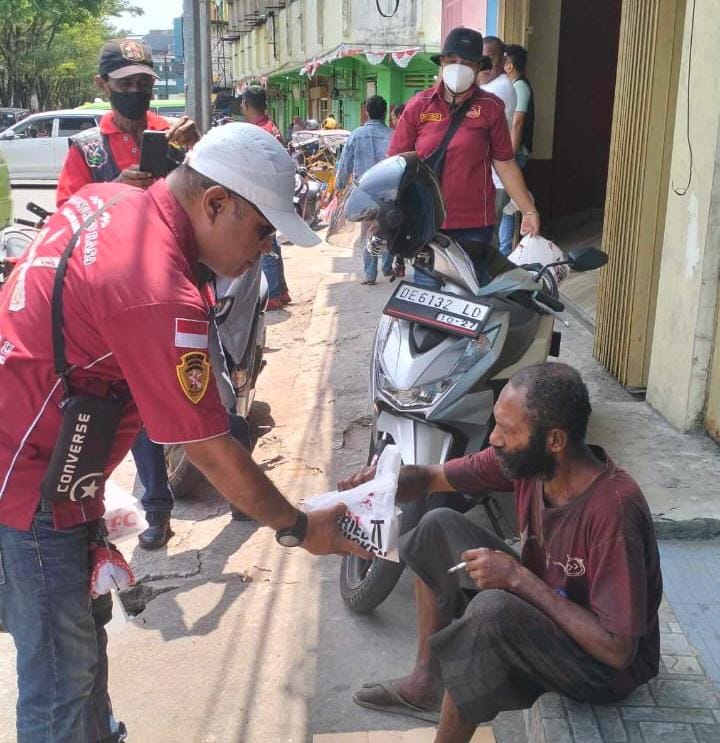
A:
(42, 195)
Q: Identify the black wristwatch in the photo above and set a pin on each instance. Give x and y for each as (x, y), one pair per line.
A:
(293, 535)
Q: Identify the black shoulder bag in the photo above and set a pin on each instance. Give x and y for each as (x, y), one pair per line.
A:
(436, 159)
(76, 471)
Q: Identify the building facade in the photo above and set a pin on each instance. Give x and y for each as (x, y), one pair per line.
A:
(327, 56)
(628, 123)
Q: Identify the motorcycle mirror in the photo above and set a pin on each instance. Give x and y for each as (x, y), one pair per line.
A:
(586, 259)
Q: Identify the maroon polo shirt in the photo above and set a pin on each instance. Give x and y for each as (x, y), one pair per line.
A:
(134, 319)
(598, 550)
(482, 137)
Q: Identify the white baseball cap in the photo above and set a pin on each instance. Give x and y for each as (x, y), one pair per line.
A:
(250, 162)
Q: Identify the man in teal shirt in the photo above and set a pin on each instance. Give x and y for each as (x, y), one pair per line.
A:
(521, 131)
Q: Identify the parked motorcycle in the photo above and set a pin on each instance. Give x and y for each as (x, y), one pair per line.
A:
(16, 238)
(239, 312)
(441, 357)
(308, 192)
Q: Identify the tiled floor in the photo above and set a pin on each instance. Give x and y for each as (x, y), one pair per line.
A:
(691, 572)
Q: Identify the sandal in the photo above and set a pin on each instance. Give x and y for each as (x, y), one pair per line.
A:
(384, 697)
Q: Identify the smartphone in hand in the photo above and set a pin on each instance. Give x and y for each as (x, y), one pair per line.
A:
(154, 154)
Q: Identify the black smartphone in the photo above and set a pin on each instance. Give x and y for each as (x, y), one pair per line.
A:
(154, 154)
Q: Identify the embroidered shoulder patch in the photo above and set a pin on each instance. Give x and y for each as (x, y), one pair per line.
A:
(474, 112)
(95, 155)
(193, 373)
(431, 116)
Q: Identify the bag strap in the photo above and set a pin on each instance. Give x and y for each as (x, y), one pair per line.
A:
(436, 160)
(62, 369)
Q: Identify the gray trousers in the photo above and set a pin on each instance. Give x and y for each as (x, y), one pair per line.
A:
(498, 652)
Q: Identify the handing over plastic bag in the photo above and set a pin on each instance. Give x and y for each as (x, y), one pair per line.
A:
(372, 518)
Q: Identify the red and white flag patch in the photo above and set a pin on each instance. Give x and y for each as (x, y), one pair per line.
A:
(191, 333)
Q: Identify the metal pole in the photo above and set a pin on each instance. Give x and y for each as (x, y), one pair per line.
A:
(204, 46)
(167, 95)
(192, 61)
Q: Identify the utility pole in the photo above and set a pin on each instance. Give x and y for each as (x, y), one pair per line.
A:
(167, 96)
(198, 73)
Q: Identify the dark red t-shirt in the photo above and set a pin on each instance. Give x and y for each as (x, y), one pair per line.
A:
(134, 318)
(598, 550)
(483, 136)
(125, 151)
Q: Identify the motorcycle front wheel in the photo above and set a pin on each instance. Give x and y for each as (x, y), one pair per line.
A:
(365, 584)
(184, 477)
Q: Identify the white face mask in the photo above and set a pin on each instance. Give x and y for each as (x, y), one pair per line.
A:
(458, 77)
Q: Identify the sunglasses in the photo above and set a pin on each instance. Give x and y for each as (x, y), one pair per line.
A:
(265, 229)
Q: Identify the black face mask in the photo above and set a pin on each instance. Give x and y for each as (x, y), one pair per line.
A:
(132, 105)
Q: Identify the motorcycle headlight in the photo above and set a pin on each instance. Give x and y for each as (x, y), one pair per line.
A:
(425, 395)
(386, 326)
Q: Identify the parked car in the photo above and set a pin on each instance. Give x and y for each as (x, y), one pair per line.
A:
(10, 116)
(35, 148)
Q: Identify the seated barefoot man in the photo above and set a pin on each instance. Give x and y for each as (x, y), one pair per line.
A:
(576, 614)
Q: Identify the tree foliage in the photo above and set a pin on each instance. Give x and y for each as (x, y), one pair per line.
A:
(49, 48)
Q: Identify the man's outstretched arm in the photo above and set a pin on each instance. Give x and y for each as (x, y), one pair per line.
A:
(231, 469)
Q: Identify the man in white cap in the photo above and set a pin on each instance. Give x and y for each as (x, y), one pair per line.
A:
(135, 338)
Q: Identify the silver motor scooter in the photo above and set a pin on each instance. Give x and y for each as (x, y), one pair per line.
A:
(440, 360)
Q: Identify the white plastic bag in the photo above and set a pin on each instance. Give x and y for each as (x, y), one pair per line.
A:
(536, 249)
(372, 518)
(122, 515)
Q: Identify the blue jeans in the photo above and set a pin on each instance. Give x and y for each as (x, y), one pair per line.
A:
(150, 464)
(58, 631)
(506, 231)
(370, 264)
(274, 270)
(481, 234)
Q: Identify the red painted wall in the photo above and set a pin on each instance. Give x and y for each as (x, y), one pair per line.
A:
(470, 13)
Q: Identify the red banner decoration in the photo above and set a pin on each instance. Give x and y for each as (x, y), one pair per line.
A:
(402, 57)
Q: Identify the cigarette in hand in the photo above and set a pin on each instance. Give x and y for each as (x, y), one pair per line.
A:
(457, 567)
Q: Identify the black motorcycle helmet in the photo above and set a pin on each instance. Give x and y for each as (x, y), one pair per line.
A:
(401, 195)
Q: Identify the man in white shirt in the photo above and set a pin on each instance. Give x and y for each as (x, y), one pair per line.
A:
(497, 82)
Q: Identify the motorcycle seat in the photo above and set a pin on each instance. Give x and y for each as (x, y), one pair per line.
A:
(476, 249)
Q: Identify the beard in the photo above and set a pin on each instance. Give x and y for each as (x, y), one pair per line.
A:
(532, 461)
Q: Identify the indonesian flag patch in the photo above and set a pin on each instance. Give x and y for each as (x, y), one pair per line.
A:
(191, 333)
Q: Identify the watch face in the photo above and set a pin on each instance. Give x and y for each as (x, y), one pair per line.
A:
(288, 540)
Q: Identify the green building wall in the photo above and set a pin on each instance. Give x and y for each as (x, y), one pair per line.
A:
(351, 77)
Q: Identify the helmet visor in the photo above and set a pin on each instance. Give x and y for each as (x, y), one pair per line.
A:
(353, 207)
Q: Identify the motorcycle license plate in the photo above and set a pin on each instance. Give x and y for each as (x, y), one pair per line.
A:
(437, 309)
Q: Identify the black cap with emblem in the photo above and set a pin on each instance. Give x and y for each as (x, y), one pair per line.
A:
(125, 57)
(466, 43)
